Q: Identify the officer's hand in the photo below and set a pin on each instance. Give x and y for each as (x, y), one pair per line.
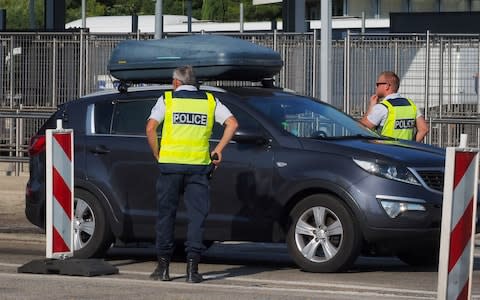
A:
(373, 100)
(216, 157)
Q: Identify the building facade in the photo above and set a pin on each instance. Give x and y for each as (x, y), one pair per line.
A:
(367, 15)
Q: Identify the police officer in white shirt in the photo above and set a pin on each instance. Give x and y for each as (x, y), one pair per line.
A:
(184, 160)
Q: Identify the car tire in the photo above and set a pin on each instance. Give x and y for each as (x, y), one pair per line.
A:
(92, 236)
(318, 223)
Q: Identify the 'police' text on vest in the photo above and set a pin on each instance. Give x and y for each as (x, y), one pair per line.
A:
(190, 119)
(404, 124)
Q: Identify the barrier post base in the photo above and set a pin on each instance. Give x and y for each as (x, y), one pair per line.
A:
(69, 266)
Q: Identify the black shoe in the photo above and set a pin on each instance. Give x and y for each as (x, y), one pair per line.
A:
(161, 271)
(192, 271)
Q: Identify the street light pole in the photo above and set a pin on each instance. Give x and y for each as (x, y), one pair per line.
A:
(84, 14)
(326, 52)
(32, 15)
(241, 16)
(189, 13)
(158, 19)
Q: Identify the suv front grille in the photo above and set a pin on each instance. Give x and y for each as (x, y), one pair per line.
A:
(433, 179)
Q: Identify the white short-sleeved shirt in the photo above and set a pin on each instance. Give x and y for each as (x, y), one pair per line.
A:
(379, 112)
(222, 113)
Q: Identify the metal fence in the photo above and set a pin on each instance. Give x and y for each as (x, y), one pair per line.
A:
(38, 71)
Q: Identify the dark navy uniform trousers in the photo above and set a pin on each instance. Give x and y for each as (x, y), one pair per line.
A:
(194, 185)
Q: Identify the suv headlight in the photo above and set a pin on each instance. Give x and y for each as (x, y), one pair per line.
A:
(388, 171)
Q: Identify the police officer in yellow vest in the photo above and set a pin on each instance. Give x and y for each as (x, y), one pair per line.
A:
(184, 160)
(393, 115)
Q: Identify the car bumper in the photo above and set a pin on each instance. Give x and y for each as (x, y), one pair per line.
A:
(35, 205)
(422, 221)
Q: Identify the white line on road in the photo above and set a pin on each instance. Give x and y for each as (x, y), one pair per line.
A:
(353, 289)
(244, 278)
(9, 265)
(359, 290)
(296, 283)
(238, 288)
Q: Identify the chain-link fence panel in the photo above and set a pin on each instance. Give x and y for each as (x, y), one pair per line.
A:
(39, 71)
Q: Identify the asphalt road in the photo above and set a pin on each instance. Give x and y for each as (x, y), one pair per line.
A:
(232, 270)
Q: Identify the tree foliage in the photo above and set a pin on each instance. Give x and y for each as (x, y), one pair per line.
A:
(215, 10)
(229, 11)
(18, 14)
(73, 9)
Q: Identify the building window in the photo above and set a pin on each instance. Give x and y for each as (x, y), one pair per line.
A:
(314, 9)
(454, 5)
(337, 8)
(475, 5)
(356, 7)
(388, 6)
(423, 5)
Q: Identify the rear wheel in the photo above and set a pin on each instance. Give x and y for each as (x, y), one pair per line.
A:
(323, 235)
(92, 235)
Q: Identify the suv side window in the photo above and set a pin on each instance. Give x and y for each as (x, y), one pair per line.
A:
(244, 121)
(130, 117)
(103, 117)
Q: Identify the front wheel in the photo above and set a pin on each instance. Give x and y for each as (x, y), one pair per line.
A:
(322, 236)
(92, 236)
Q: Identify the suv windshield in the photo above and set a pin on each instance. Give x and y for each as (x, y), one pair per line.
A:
(307, 118)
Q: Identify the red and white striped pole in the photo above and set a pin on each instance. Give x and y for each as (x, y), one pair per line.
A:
(59, 210)
(59, 189)
(458, 222)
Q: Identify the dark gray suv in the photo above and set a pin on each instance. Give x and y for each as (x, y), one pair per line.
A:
(298, 170)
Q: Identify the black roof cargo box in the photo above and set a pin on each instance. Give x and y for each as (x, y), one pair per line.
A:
(212, 57)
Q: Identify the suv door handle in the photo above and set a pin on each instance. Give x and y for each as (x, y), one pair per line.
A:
(100, 150)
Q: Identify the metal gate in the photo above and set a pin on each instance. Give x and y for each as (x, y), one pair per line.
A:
(39, 71)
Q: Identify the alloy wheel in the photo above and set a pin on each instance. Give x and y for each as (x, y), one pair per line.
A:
(318, 234)
(83, 224)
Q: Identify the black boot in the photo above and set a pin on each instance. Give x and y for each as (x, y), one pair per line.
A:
(161, 272)
(192, 271)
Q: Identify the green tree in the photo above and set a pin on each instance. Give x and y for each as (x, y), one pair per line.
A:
(180, 7)
(18, 14)
(215, 10)
(229, 11)
(262, 12)
(73, 9)
(130, 7)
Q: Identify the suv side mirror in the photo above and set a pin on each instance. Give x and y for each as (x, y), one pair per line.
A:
(249, 136)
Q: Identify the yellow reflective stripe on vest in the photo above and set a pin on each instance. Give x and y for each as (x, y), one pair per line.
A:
(400, 121)
(187, 128)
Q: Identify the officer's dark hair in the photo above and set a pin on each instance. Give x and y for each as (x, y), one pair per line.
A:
(392, 79)
(185, 74)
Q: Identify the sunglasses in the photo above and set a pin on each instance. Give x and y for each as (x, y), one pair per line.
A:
(380, 83)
